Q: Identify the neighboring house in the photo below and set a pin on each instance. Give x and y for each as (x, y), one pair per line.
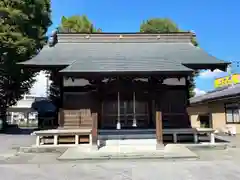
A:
(218, 109)
(22, 112)
(27, 111)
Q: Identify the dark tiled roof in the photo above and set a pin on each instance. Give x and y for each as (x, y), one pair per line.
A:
(230, 91)
(132, 52)
(125, 64)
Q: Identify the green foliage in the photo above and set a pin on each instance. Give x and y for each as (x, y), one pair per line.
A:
(194, 41)
(76, 24)
(165, 25)
(23, 25)
(158, 25)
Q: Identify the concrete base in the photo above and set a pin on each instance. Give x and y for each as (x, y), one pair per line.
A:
(51, 148)
(208, 146)
(128, 152)
(178, 151)
(159, 146)
(94, 148)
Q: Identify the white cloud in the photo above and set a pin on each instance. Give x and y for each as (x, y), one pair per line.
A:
(199, 92)
(211, 74)
(39, 87)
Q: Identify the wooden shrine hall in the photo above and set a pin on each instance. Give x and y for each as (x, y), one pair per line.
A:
(123, 81)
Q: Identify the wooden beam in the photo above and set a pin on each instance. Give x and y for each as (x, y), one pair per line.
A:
(159, 129)
(94, 129)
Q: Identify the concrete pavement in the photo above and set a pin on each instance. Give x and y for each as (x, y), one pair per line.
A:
(132, 170)
(212, 164)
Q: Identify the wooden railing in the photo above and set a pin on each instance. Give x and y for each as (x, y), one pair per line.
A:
(80, 119)
(74, 119)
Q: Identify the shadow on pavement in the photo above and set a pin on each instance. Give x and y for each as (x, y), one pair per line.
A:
(15, 130)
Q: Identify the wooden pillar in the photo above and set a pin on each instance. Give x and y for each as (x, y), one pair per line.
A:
(61, 109)
(159, 129)
(187, 103)
(61, 117)
(61, 91)
(187, 89)
(94, 138)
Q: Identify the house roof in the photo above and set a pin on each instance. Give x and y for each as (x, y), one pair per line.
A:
(221, 93)
(124, 52)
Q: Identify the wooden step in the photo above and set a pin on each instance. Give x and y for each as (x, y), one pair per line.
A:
(76, 127)
(70, 127)
(74, 123)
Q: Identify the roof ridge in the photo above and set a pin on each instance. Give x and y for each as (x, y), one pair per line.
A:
(126, 33)
(116, 37)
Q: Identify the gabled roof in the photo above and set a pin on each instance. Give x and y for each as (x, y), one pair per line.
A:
(222, 93)
(124, 52)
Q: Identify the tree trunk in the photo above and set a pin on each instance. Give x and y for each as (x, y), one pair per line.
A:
(3, 117)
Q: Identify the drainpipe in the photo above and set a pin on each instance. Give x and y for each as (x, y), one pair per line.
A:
(134, 110)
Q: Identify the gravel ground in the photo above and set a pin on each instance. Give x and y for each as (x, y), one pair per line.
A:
(213, 164)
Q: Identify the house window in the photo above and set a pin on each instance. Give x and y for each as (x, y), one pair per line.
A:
(232, 113)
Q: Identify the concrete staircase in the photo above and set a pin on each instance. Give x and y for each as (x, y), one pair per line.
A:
(135, 142)
(128, 139)
(128, 145)
(127, 134)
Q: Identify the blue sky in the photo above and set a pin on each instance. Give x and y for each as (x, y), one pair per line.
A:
(216, 22)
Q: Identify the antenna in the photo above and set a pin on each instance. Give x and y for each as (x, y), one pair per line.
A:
(229, 70)
(233, 68)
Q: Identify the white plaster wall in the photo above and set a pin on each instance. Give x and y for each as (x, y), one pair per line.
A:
(175, 81)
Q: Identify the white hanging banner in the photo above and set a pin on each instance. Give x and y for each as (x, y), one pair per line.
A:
(134, 110)
(118, 120)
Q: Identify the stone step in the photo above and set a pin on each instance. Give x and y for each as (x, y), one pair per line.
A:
(127, 136)
(135, 142)
(129, 148)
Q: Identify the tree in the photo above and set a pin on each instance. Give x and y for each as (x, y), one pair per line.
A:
(165, 25)
(77, 24)
(23, 25)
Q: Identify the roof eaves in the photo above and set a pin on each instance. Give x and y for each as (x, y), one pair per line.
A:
(204, 98)
(226, 97)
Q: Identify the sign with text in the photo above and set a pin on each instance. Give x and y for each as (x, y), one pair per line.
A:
(227, 80)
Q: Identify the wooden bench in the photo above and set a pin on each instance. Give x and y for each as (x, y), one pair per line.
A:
(63, 136)
(190, 131)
